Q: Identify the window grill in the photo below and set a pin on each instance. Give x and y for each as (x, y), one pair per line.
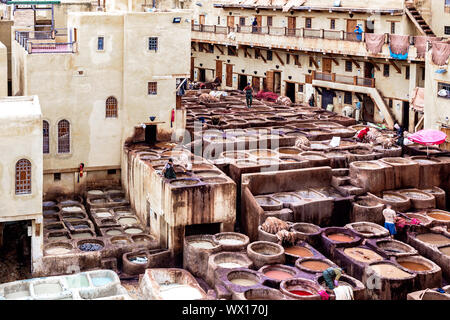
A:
(63, 136)
(111, 107)
(46, 137)
(153, 43)
(152, 88)
(23, 177)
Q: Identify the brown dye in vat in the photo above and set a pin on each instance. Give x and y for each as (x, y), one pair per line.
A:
(278, 274)
(390, 271)
(315, 265)
(414, 266)
(340, 237)
(363, 255)
(289, 151)
(440, 216)
(433, 238)
(299, 251)
(445, 251)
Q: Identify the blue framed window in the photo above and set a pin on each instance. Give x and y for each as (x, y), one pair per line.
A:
(100, 43)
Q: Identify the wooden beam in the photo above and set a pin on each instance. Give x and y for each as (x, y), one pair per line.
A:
(358, 96)
(297, 61)
(375, 64)
(234, 51)
(193, 46)
(200, 47)
(246, 53)
(335, 61)
(219, 48)
(258, 54)
(279, 58)
(395, 66)
(355, 63)
(311, 58)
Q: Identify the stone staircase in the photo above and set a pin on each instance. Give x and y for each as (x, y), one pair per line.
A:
(418, 20)
(341, 181)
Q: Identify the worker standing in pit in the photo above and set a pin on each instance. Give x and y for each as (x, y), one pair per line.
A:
(248, 95)
(389, 220)
(331, 277)
(169, 171)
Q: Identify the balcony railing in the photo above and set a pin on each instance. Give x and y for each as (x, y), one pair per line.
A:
(289, 32)
(338, 78)
(54, 41)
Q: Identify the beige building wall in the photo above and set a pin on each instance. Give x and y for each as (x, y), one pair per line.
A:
(437, 109)
(75, 86)
(21, 138)
(3, 70)
(5, 38)
(436, 14)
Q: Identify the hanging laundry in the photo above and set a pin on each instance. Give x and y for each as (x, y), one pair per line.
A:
(420, 42)
(440, 53)
(399, 46)
(374, 42)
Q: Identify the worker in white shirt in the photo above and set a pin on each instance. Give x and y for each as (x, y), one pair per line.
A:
(389, 220)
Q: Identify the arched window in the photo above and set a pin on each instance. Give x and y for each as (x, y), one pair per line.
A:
(46, 137)
(111, 107)
(63, 136)
(23, 176)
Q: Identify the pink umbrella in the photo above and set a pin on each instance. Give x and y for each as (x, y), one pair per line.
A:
(428, 137)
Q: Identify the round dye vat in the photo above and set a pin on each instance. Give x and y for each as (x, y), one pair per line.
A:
(90, 246)
(78, 281)
(363, 255)
(244, 282)
(229, 265)
(95, 192)
(299, 251)
(58, 238)
(439, 216)
(301, 292)
(263, 153)
(57, 250)
(17, 295)
(433, 238)
(340, 237)
(202, 244)
(413, 266)
(81, 235)
(133, 230)
(103, 215)
(175, 291)
(313, 157)
(72, 209)
(315, 265)
(232, 242)
(278, 274)
(114, 232)
(127, 220)
(390, 271)
(445, 251)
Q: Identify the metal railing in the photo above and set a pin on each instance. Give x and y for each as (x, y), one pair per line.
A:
(338, 78)
(49, 41)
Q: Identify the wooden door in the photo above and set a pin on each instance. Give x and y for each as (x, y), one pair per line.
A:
(255, 83)
(219, 69)
(259, 21)
(308, 78)
(292, 25)
(229, 75)
(230, 21)
(269, 80)
(351, 25)
(326, 65)
(201, 19)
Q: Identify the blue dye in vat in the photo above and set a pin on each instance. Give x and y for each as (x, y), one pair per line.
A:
(101, 281)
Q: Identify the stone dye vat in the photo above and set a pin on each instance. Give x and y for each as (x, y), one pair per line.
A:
(387, 281)
(197, 249)
(398, 201)
(170, 284)
(429, 171)
(301, 289)
(368, 230)
(231, 241)
(419, 199)
(438, 217)
(239, 280)
(314, 266)
(307, 232)
(226, 260)
(300, 249)
(263, 252)
(406, 173)
(369, 175)
(359, 290)
(439, 195)
(355, 259)
(73, 287)
(261, 294)
(429, 274)
(269, 203)
(276, 273)
(367, 209)
(391, 248)
(334, 237)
